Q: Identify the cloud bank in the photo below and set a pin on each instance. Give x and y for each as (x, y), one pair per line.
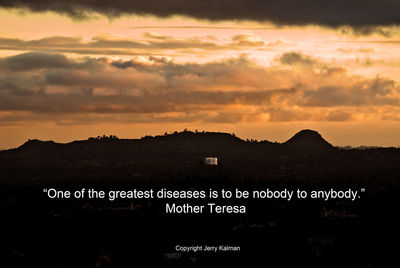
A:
(51, 87)
(150, 44)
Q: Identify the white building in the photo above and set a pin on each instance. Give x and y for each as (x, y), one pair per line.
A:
(210, 161)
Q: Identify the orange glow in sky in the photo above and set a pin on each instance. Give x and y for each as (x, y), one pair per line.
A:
(65, 79)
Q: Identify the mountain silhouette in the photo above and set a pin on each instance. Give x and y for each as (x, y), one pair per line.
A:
(308, 139)
(180, 155)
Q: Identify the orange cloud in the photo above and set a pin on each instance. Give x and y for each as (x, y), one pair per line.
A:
(52, 87)
(152, 43)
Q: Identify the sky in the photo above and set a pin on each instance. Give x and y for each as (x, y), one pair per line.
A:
(260, 69)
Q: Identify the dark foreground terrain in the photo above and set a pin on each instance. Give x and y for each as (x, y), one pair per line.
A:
(42, 232)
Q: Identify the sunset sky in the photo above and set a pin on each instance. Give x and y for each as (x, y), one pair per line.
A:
(260, 69)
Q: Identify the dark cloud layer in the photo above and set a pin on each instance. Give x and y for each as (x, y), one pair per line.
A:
(356, 13)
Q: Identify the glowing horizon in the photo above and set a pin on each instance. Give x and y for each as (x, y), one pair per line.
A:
(133, 75)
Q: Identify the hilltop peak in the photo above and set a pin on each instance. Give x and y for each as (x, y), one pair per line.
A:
(32, 143)
(308, 138)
